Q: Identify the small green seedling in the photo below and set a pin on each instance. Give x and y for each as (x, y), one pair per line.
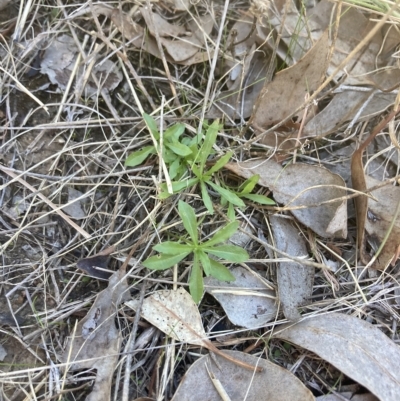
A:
(244, 191)
(172, 252)
(203, 176)
(174, 150)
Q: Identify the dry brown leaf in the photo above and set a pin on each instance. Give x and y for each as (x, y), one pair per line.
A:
(273, 383)
(96, 342)
(353, 26)
(179, 5)
(183, 45)
(239, 101)
(380, 215)
(347, 395)
(303, 185)
(287, 91)
(94, 265)
(361, 202)
(58, 62)
(176, 314)
(355, 347)
(295, 281)
(252, 307)
(180, 44)
(344, 107)
(295, 31)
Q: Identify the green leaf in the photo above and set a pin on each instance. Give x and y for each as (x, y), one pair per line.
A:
(174, 132)
(178, 186)
(221, 272)
(205, 261)
(227, 194)
(264, 200)
(168, 155)
(189, 220)
(179, 149)
(249, 184)
(209, 141)
(162, 262)
(196, 286)
(222, 234)
(231, 253)
(164, 195)
(196, 171)
(219, 164)
(174, 168)
(151, 125)
(206, 198)
(172, 248)
(136, 158)
(231, 212)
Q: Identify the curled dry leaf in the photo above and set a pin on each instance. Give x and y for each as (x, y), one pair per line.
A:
(355, 347)
(273, 383)
(176, 314)
(247, 301)
(304, 186)
(295, 281)
(96, 342)
(286, 92)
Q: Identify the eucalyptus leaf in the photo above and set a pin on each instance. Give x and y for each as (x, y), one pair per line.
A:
(136, 158)
(189, 220)
(162, 262)
(173, 248)
(231, 253)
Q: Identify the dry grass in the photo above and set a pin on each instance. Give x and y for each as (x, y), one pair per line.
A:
(81, 143)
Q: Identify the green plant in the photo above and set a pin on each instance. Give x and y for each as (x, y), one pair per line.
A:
(244, 191)
(174, 150)
(203, 176)
(172, 252)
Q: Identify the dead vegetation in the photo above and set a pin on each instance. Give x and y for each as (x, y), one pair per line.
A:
(307, 96)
